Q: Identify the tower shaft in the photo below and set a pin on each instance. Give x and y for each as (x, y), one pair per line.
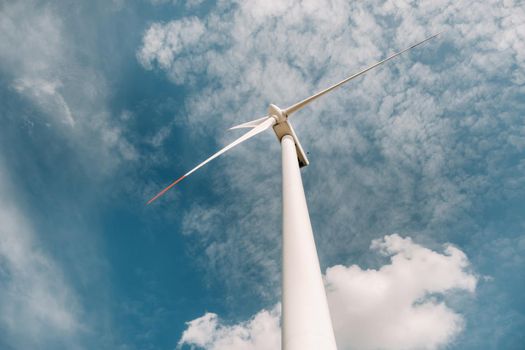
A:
(306, 323)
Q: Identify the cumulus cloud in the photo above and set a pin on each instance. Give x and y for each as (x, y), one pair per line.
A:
(409, 147)
(262, 332)
(397, 306)
(401, 305)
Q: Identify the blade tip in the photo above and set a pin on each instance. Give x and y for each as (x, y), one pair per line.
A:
(165, 190)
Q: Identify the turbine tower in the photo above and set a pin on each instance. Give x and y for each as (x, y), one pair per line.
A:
(306, 322)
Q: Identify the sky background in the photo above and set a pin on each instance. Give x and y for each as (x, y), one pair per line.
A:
(416, 186)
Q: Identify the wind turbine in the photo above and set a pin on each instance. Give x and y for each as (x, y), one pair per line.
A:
(306, 323)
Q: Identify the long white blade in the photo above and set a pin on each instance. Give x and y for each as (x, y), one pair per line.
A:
(301, 104)
(250, 124)
(258, 129)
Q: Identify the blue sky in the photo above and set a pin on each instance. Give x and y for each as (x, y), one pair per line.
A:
(416, 185)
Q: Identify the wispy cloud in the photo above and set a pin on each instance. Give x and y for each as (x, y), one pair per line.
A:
(40, 56)
(46, 95)
(39, 307)
(53, 82)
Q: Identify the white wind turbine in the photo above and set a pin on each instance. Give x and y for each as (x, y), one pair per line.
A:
(306, 323)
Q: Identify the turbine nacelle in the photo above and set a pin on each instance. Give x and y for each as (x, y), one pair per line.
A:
(285, 128)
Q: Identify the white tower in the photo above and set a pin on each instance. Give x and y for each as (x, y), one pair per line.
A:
(306, 323)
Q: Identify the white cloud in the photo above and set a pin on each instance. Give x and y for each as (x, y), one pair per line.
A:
(62, 91)
(45, 64)
(259, 333)
(164, 43)
(38, 305)
(394, 307)
(31, 43)
(189, 4)
(46, 95)
(397, 306)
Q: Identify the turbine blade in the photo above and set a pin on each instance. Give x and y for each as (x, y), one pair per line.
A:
(250, 124)
(256, 130)
(301, 104)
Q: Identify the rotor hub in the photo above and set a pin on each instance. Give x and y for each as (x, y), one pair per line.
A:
(277, 113)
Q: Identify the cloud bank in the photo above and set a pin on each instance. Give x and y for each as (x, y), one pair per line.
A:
(401, 305)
